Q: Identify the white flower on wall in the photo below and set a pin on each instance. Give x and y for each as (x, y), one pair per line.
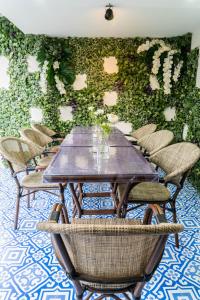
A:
(185, 131)
(167, 65)
(112, 118)
(170, 114)
(177, 71)
(66, 113)
(110, 65)
(125, 127)
(80, 82)
(156, 59)
(43, 78)
(4, 77)
(33, 64)
(154, 83)
(110, 98)
(36, 114)
(56, 65)
(60, 85)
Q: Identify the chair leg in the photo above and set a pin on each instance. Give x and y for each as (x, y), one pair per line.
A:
(62, 197)
(173, 206)
(17, 210)
(124, 210)
(28, 200)
(138, 290)
(79, 290)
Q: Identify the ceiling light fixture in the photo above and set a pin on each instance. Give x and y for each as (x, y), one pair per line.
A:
(109, 12)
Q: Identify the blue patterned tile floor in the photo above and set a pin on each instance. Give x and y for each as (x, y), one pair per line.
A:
(29, 269)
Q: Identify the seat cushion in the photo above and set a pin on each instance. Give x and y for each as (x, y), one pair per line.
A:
(35, 180)
(45, 161)
(146, 191)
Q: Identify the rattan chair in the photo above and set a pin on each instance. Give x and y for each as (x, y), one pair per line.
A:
(154, 142)
(42, 141)
(141, 132)
(18, 154)
(176, 161)
(109, 256)
(46, 130)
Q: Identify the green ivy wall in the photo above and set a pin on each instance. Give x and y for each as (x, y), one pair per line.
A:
(136, 104)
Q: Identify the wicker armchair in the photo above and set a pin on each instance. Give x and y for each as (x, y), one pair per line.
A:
(154, 142)
(176, 161)
(109, 256)
(42, 141)
(18, 154)
(141, 132)
(47, 131)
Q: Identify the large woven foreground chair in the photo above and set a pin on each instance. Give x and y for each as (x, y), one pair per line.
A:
(176, 161)
(154, 142)
(19, 155)
(141, 132)
(109, 256)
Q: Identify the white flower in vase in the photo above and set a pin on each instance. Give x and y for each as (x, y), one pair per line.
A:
(99, 112)
(112, 118)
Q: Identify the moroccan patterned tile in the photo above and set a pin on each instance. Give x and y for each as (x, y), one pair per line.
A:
(29, 268)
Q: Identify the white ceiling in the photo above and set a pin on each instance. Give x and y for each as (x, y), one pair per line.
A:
(86, 17)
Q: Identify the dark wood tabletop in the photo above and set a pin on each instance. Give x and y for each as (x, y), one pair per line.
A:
(81, 164)
(87, 140)
(77, 161)
(89, 130)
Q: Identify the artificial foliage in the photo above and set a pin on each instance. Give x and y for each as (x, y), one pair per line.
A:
(137, 103)
(59, 61)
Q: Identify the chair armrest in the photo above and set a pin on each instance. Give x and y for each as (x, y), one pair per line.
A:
(28, 169)
(156, 211)
(57, 211)
(45, 152)
(58, 139)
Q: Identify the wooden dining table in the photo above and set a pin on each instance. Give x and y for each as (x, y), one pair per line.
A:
(77, 162)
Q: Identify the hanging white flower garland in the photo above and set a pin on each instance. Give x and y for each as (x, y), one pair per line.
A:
(59, 84)
(167, 65)
(43, 79)
(177, 71)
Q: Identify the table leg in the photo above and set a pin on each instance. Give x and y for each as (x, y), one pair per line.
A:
(75, 200)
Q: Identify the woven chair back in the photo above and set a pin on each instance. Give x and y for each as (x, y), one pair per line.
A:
(43, 129)
(109, 251)
(156, 141)
(35, 137)
(17, 152)
(176, 160)
(144, 130)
